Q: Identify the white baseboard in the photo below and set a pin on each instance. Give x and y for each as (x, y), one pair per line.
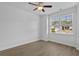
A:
(62, 43)
(26, 42)
(22, 43)
(45, 39)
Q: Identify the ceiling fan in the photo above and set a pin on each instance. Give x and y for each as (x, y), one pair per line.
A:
(40, 6)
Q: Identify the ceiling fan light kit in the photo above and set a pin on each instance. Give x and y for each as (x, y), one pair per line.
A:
(40, 7)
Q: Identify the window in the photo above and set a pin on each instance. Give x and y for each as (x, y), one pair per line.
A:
(61, 23)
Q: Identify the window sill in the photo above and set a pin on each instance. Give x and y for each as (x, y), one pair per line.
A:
(67, 33)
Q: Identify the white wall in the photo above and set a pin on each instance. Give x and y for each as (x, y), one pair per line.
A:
(68, 39)
(43, 27)
(17, 27)
(77, 41)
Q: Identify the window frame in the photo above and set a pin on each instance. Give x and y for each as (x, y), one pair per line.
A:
(59, 15)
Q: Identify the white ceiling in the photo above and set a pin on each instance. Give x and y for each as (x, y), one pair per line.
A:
(25, 6)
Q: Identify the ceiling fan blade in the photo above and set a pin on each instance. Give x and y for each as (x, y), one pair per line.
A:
(47, 6)
(39, 3)
(32, 3)
(43, 10)
(35, 9)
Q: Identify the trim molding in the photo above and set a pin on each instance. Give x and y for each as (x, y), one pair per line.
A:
(61, 43)
(22, 43)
